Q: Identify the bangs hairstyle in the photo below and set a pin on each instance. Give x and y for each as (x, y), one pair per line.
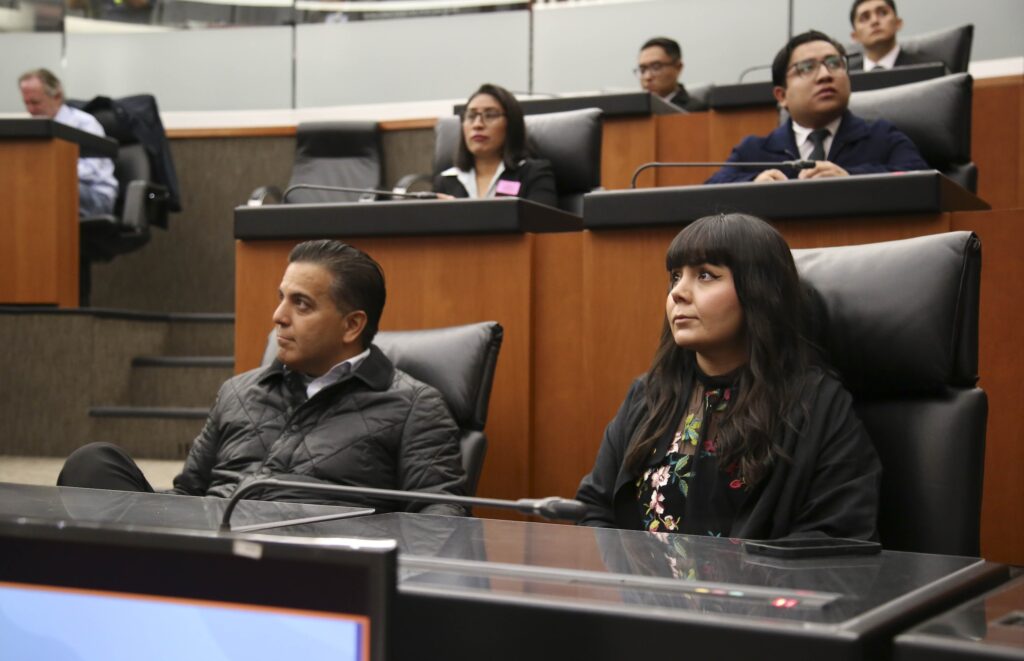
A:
(772, 298)
(515, 148)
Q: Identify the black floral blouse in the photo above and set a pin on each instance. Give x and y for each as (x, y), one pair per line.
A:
(686, 490)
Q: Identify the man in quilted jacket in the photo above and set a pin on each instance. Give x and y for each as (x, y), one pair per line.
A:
(331, 407)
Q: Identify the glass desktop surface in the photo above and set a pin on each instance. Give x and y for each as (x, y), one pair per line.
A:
(657, 575)
(989, 626)
(152, 510)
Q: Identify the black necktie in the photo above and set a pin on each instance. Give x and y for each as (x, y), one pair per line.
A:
(817, 139)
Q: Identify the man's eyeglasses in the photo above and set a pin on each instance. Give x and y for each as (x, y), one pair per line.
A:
(488, 116)
(653, 67)
(809, 67)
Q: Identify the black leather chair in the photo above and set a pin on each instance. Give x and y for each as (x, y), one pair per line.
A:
(952, 47)
(899, 322)
(459, 361)
(344, 153)
(140, 203)
(936, 115)
(570, 140)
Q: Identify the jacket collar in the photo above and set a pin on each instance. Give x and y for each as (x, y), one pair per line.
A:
(376, 371)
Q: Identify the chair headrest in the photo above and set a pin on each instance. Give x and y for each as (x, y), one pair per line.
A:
(951, 46)
(343, 139)
(935, 114)
(899, 316)
(571, 140)
(459, 361)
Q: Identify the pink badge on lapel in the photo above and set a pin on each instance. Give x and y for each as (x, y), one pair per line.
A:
(506, 187)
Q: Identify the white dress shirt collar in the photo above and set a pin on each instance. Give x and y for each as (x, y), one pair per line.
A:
(335, 374)
(468, 179)
(887, 61)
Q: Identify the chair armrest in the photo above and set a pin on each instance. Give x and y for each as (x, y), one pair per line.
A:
(265, 195)
(144, 203)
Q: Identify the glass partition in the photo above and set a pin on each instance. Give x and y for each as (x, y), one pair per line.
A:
(228, 55)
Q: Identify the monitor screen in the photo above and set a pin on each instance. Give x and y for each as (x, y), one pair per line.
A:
(105, 593)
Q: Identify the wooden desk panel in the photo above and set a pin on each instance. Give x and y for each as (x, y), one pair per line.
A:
(1001, 364)
(38, 212)
(998, 124)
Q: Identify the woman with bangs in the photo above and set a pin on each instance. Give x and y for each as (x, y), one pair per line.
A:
(736, 430)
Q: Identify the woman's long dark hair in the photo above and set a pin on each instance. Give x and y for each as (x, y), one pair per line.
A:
(515, 148)
(769, 291)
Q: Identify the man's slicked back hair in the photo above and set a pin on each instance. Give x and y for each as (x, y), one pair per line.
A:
(357, 281)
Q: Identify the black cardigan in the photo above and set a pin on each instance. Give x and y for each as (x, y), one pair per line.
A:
(536, 179)
(829, 484)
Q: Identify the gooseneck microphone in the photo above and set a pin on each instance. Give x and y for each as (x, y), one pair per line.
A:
(757, 67)
(368, 194)
(799, 164)
(551, 507)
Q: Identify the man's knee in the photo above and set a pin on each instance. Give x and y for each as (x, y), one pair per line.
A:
(90, 465)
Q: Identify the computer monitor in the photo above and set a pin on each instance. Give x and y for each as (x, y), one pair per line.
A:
(101, 592)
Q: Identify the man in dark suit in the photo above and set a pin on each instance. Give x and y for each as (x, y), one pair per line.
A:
(811, 82)
(659, 66)
(875, 24)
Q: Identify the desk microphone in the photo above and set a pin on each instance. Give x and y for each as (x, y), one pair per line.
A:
(551, 507)
(796, 165)
(366, 194)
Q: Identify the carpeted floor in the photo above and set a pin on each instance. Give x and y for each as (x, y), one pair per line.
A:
(44, 470)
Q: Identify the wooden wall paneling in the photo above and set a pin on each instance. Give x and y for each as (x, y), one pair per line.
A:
(729, 127)
(626, 143)
(682, 138)
(1001, 364)
(998, 123)
(624, 290)
(855, 231)
(39, 216)
(558, 337)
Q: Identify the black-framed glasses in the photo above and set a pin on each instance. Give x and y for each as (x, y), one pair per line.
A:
(488, 116)
(653, 67)
(809, 67)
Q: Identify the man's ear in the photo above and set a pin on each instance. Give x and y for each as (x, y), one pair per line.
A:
(899, 23)
(355, 322)
(853, 36)
(780, 95)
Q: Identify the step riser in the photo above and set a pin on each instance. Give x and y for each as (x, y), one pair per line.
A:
(174, 386)
(148, 438)
(201, 338)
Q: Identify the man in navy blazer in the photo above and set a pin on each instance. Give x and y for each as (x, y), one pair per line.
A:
(812, 83)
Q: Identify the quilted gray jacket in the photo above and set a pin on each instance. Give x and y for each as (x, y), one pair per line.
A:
(376, 427)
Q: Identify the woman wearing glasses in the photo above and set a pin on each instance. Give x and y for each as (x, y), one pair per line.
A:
(735, 430)
(491, 159)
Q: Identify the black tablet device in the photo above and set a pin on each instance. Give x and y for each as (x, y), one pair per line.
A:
(811, 547)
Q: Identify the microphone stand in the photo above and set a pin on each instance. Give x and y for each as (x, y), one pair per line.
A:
(799, 164)
(551, 507)
(364, 191)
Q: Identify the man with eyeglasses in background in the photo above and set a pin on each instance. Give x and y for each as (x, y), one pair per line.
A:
(659, 66)
(813, 85)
